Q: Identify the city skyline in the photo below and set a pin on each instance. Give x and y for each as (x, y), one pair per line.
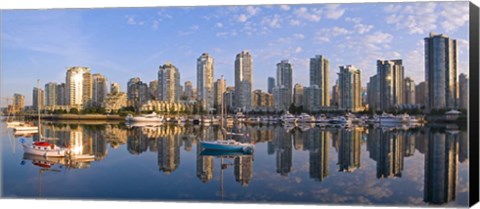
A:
(324, 29)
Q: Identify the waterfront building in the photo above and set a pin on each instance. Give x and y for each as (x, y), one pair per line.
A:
(320, 76)
(441, 66)
(137, 92)
(335, 95)
(78, 86)
(350, 88)
(262, 100)
(373, 94)
(219, 89)
(243, 80)
(99, 89)
(421, 92)
(409, 90)
(61, 94)
(51, 94)
(115, 101)
(298, 95)
(205, 81)
(271, 84)
(285, 79)
(311, 98)
(188, 91)
(230, 98)
(463, 94)
(168, 83)
(153, 90)
(391, 83)
(37, 99)
(115, 88)
(18, 103)
(281, 98)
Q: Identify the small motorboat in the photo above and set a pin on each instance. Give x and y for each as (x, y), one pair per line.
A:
(45, 149)
(153, 117)
(227, 145)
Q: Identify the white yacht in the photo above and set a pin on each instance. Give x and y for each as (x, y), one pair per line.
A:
(392, 119)
(153, 117)
(288, 118)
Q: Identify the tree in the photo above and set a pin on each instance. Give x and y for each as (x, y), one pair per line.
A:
(73, 111)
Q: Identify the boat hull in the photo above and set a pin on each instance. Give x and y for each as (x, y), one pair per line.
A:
(222, 147)
(45, 153)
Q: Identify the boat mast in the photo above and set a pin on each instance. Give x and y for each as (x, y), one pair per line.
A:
(38, 110)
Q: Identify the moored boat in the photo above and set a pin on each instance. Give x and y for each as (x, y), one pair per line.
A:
(153, 117)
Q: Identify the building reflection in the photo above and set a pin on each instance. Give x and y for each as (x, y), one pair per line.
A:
(386, 147)
(441, 167)
(316, 141)
(204, 166)
(349, 149)
(243, 169)
(282, 142)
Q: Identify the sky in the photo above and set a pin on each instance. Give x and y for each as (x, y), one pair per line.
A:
(122, 43)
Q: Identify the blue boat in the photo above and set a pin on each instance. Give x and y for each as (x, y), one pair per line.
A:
(227, 145)
(220, 153)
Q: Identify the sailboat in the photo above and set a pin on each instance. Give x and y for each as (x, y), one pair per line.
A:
(42, 148)
(227, 145)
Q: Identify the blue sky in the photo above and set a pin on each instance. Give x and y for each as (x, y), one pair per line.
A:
(122, 43)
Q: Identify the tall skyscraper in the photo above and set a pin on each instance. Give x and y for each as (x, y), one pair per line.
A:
(61, 94)
(99, 89)
(51, 94)
(78, 86)
(271, 84)
(218, 90)
(137, 92)
(373, 93)
(285, 79)
(409, 90)
(335, 95)
(38, 98)
(18, 102)
(188, 90)
(205, 81)
(153, 89)
(463, 87)
(311, 98)
(320, 76)
(281, 98)
(421, 92)
(243, 80)
(168, 83)
(441, 66)
(391, 83)
(298, 95)
(115, 88)
(350, 88)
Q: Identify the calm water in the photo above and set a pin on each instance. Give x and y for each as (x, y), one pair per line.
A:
(361, 165)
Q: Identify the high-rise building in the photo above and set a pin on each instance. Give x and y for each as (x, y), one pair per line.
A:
(409, 90)
(421, 92)
(463, 88)
(311, 98)
(243, 80)
(281, 98)
(219, 88)
(350, 88)
(115, 88)
(78, 86)
(441, 66)
(373, 93)
(168, 83)
(285, 79)
(153, 90)
(335, 95)
(229, 97)
(137, 92)
(61, 94)
(271, 84)
(262, 100)
(391, 83)
(188, 90)
(51, 94)
(205, 81)
(99, 89)
(298, 95)
(38, 98)
(320, 76)
(18, 102)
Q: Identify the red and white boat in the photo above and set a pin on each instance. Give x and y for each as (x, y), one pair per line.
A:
(45, 149)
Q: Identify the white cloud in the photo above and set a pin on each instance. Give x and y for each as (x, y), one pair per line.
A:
(361, 28)
(242, 18)
(252, 11)
(313, 15)
(285, 7)
(298, 49)
(325, 35)
(155, 24)
(272, 21)
(379, 38)
(333, 11)
(294, 22)
(455, 15)
(219, 25)
(337, 31)
(131, 20)
(299, 35)
(419, 18)
(353, 19)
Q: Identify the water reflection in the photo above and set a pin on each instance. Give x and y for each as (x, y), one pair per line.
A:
(440, 149)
